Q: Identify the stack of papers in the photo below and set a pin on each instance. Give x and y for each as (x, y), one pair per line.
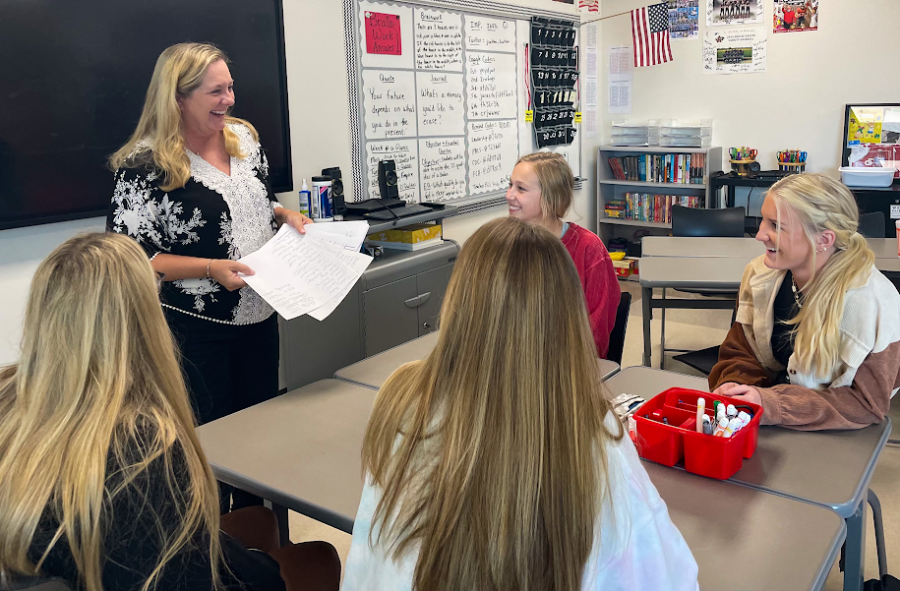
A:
(312, 273)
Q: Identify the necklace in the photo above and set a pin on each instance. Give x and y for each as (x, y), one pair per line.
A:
(797, 292)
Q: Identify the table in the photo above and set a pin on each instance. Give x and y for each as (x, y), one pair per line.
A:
(757, 529)
(374, 371)
(713, 265)
(301, 451)
(750, 248)
(828, 468)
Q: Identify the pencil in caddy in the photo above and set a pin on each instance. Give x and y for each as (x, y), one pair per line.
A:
(666, 433)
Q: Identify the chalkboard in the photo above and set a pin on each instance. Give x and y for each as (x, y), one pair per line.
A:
(440, 89)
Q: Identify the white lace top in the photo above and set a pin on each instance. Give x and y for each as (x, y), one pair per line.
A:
(214, 216)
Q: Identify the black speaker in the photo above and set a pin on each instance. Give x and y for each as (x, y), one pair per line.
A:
(387, 179)
(339, 207)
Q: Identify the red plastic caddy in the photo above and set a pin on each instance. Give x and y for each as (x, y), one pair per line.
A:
(706, 455)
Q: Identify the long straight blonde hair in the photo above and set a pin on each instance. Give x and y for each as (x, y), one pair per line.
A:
(819, 203)
(98, 384)
(158, 140)
(499, 472)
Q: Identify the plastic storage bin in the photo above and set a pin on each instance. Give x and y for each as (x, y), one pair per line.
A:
(685, 135)
(706, 455)
(858, 176)
(626, 133)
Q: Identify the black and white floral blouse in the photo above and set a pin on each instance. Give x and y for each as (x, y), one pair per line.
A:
(214, 216)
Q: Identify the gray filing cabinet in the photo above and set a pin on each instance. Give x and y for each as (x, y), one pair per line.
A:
(397, 299)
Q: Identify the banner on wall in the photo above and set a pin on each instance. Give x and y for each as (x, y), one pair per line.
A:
(684, 19)
(733, 12)
(795, 15)
(735, 51)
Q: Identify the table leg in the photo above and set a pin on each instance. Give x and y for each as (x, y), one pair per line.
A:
(646, 295)
(662, 331)
(855, 549)
(281, 515)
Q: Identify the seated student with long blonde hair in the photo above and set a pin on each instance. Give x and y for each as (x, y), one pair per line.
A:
(496, 462)
(816, 340)
(102, 479)
(541, 189)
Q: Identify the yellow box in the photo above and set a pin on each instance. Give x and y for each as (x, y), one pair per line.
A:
(412, 234)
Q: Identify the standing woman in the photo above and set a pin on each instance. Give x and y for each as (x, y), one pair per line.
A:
(540, 192)
(192, 188)
(817, 336)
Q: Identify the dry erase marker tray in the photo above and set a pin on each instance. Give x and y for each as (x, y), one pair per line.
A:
(666, 433)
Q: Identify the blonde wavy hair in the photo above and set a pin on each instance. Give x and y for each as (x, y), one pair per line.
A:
(97, 386)
(158, 140)
(491, 452)
(819, 203)
(556, 180)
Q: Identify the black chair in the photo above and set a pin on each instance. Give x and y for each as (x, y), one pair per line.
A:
(871, 225)
(38, 583)
(702, 223)
(617, 336)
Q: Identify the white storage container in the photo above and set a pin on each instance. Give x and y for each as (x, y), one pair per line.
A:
(858, 176)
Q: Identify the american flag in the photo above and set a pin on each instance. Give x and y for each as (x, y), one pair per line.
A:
(650, 30)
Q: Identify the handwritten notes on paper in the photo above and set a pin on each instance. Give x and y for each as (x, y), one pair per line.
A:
(298, 274)
(443, 163)
(493, 151)
(405, 155)
(490, 34)
(491, 84)
(390, 103)
(440, 101)
(441, 94)
(383, 33)
(438, 37)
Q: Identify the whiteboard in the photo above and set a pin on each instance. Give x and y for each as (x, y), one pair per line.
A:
(441, 89)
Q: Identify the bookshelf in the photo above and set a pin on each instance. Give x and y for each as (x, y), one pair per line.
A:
(610, 188)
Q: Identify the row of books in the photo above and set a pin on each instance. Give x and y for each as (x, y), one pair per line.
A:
(687, 169)
(648, 207)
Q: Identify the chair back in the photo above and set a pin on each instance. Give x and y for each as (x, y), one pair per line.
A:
(38, 583)
(716, 223)
(871, 225)
(617, 336)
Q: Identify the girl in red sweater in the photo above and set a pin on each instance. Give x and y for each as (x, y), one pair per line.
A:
(540, 192)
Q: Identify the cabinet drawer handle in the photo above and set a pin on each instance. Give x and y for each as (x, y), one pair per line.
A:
(418, 300)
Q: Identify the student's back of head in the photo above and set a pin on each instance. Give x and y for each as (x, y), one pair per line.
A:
(491, 451)
(97, 389)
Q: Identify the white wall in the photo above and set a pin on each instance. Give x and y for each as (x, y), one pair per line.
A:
(320, 138)
(797, 103)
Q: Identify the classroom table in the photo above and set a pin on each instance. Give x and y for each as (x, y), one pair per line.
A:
(301, 451)
(713, 265)
(740, 536)
(749, 248)
(375, 370)
(828, 468)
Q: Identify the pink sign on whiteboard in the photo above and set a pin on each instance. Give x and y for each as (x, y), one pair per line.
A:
(382, 33)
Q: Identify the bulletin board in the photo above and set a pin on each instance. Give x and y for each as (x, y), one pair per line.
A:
(441, 88)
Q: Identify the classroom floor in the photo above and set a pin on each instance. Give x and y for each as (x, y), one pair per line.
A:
(697, 329)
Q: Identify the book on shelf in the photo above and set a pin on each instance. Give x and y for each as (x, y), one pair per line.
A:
(681, 169)
(648, 207)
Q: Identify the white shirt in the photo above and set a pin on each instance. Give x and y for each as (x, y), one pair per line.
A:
(636, 545)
